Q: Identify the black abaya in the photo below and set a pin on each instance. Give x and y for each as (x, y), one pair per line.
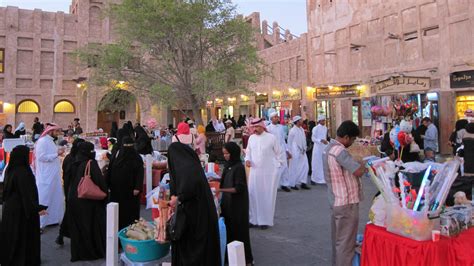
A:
(87, 218)
(20, 234)
(235, 207)
(199, 244)
(125, 175)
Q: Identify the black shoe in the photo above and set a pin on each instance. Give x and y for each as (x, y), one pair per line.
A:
(264, 227)
(59, 240)
(313, 183)
(252, 225)
(295, 188)
(304, 186)
(286, 189)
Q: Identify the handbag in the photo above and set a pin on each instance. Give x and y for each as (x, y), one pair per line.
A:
(175, 226)
(87, 189)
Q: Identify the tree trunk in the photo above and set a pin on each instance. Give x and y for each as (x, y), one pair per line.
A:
(197, 114)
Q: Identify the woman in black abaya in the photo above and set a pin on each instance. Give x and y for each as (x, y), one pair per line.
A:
(235, 199)
(143, 141)
(20, 233)
(126, 182)
(199, 244)
(67, 177)
(86, 218)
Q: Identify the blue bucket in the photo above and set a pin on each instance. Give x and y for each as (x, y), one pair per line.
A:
(142, 251)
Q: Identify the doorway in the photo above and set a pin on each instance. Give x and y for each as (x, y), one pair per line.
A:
(105, 119)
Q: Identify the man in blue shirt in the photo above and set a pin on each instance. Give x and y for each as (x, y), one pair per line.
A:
(430, 138)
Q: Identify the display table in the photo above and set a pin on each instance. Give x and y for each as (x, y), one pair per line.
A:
(381, 247)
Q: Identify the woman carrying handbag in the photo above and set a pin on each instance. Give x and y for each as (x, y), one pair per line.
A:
(87, 206)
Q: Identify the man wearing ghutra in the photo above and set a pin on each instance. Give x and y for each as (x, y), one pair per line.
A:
(48, 175)
(278, 131)
(319, 137)
(299, 164)
(263, 158)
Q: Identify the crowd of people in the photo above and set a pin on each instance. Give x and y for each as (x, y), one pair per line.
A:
(277, 156)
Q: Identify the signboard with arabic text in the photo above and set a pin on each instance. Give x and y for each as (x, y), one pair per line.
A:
(462, 79)
(336, 92)
(402, 84)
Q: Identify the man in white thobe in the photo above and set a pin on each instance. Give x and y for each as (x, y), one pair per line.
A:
(319, 138)
(48, 176)
(299, 165)
(262, 157)
(278, 131)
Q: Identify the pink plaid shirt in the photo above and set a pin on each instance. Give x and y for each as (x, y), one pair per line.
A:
(343, 187)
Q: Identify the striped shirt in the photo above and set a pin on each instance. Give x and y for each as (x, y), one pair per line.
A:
(338, 164)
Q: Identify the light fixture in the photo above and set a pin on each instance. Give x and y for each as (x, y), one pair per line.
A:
(330, 87)
(121, 82)
(360, 87)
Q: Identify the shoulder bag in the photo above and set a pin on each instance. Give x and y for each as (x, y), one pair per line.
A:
(87, 189)
(175, 226)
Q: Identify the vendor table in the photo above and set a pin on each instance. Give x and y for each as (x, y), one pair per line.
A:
(381, 247)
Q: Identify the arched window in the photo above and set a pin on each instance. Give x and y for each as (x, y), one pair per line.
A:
(64, 106)
(28, 106)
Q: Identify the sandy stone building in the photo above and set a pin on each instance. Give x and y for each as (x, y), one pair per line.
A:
(382, 49)
(40, 76)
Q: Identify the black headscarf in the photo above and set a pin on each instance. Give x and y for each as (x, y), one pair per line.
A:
(140, 132)
(75, 146)
(461, 124)
(85, 151)
(6, 134)
(113, 130)
(19, 158)
(127, 151)
(234, 150)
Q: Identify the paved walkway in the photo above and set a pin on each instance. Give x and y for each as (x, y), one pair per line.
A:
(301, 235)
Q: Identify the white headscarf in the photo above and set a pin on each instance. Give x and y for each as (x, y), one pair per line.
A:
(20, 127)
(321, 117)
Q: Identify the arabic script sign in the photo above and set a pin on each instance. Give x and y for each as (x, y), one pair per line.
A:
(337, 92)
(402, 84)
(462, 79)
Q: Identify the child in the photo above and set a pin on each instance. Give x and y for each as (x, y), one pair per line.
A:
(429, 155)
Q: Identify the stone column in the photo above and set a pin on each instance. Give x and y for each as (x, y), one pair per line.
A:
(447, 119)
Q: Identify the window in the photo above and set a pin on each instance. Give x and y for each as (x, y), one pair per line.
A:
(28, 106)
(410, 36)
(2, 60)
(64, 106)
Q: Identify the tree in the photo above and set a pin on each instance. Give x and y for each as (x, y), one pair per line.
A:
(181, 53)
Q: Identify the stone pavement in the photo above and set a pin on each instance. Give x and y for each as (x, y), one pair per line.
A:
(301, 235)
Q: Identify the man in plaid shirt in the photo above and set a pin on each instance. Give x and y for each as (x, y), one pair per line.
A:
(342, 174)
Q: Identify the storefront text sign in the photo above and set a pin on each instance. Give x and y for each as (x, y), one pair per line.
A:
(261, 98)
(336, 92)
(286, 95)
(462, 79)
(402, 84)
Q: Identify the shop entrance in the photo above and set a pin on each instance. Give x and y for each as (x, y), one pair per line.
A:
(463, 103)
(323, 107)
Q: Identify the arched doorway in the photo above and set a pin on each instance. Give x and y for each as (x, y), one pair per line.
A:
(117, 106)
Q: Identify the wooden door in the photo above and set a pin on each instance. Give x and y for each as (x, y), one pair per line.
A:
(105, 119)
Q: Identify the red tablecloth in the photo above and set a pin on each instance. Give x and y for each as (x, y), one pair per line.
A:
(384, 248)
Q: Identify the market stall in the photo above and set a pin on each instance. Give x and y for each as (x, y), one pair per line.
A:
(410, 223)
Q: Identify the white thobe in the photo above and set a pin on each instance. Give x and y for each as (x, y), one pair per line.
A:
(319, 133)
(279, 132)
(48, 180)
(263, 153)
(299, 166)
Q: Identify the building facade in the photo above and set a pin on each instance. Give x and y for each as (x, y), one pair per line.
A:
(392, 49)
(40, 76)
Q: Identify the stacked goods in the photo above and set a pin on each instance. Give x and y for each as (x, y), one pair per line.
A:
(409, 209)
(141, 230)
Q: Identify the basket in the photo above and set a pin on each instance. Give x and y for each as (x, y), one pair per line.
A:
(411, 224)
(142, 251)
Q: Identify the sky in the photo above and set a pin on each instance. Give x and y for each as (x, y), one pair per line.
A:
(290, 14)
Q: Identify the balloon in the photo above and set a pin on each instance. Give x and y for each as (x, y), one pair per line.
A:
(402, 138)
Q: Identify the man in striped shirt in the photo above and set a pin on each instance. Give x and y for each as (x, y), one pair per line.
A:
(342, 174)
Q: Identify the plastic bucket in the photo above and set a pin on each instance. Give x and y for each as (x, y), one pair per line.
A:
(142, 251)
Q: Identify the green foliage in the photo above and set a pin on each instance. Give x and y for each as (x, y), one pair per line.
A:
(116, 100)
(180, 52)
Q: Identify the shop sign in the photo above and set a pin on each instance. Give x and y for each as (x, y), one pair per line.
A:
(462, 79)
(261, 98)
(286, 95)
(402, 84)
(337, 92)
